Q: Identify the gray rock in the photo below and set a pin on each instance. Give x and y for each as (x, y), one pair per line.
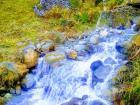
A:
(53, 57)
(102, 72)
(28, 82)
(79, 47)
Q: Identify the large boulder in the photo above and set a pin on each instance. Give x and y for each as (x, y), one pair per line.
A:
(53, 57)
(30, 57)
(102, 72)
(95, 65)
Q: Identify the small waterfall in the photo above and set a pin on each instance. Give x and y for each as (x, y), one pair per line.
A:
(101, 14)
(71, 82)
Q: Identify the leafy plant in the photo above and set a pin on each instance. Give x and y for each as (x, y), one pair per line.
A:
(82, 17)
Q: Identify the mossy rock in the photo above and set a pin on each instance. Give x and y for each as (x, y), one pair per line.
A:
(10, 73)
(136, 40)
(72, 54)
(54, 57)
(30, 57)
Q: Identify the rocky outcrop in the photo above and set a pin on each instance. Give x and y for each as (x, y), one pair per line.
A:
(48, 4)
(121, 15)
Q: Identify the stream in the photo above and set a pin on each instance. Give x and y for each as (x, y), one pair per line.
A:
(86, 81)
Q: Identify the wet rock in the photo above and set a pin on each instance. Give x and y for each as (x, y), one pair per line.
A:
(71, 54)
(120, 48)
(84, 97)
(53, 57)
(7, 97)
(137, 28)
(109, 60)
(121, 57)
(95, 80)
(30, 57)
(97, 102)
(102, 72)
(90, 48)
(95, 65)
(121, 27)
(28, 82)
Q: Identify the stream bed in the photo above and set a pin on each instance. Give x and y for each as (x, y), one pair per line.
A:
(85, 81)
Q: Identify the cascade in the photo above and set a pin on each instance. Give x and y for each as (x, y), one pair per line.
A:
(79, 82)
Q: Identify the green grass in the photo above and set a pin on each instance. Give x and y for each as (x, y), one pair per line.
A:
(18, 25)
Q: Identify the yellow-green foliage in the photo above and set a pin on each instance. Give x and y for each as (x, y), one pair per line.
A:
(136, 40)
(7, 78)
(18, 25)
(128, 82)
(72, 21)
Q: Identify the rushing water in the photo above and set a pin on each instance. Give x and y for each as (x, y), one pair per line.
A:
(70, 81)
